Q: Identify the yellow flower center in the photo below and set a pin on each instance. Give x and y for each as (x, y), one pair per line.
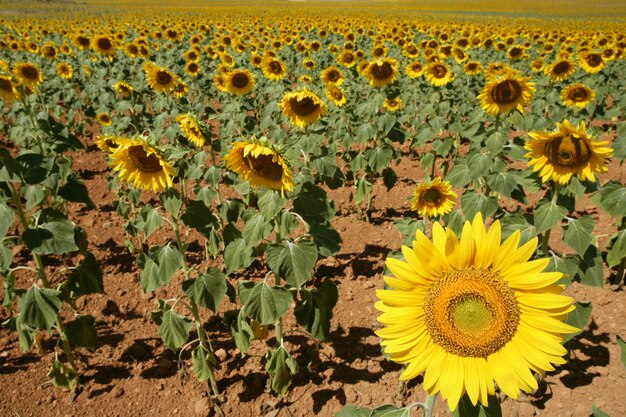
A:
(506, 92)
(567, 151)
(240, 80)
(142, 161)
(265, 166)
(303, 106)
(471, 312)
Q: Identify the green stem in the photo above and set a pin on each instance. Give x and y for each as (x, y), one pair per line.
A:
(429, 405)
(67, 349)
(432, 168)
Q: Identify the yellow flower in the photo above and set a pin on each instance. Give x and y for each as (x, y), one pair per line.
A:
(472, 68)
(565, 152)
(104, 119)
(332, 75)
(109, 144)
(180, 89)
(381, 72)
(103, 45)
(438, 74)
(505, 93)
(302, 107)
(347, 59)
(191, 129)
(560, 70)
(160, 79)
(141, 165)
(239, 82)
(434, 199)
(273, 69)
(28, 74)
(8, 90)
(64, 70)
(123, 89)
(193, 68)
(471, 312)
(258, 162)
(591, 62)
(392, 104)
(414, 70)
(577, 95)
(336, 95)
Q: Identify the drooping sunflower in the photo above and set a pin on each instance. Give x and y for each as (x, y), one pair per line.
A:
(123, 89)
(392, 104)
(191, 129)
(64, 70)
(28, 74)
(302, 107)
(381, 72)
(332, 75)
(414, 70)
(109, 144)
(336, 95)
(560, 70)
(160, 79)
(433, 199)
(506, 93)
(577, 95)
(591, 62)
(260, 163)
(472, 68)
(240, 82)
(142, 165)
(104, 119)
(567, 151)
(8, 89)
(471, 312)
(438, 74)
(273, 69)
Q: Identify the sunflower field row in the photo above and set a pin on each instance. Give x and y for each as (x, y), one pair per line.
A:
(230, 128)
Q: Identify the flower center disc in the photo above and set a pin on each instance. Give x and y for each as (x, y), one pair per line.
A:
(506, 92)
(104, 44)
(264, 166)
(142, 161)
(5, 85)
(578, 94)
(593, 60)
(432, 196)
(471, 312)
(382, 71)
(439, 71)
(304, 106)
(163, 78)
(30, 72)
(275, 67)
(240, 80)
(561, 68)
(567, 152)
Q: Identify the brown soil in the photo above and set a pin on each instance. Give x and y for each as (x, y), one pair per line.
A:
(131, 373)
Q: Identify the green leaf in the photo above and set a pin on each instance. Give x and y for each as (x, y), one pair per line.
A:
(54, 237)
(480, 164)
(174, 329)
(208, 289)
(312, 201)
(82, 331)
(292, 261)
(158, 269)
(231, 209)
(495, 143)
(378, 158)
(202, 362)
(200, 217)
(353, 411)
(622, 349)
(578, 233)
(39, 307)
(514, 222)
(618, 250)
(62, 376)
(389, 410)
(170, 260)
(548, 215)
(566, 265)
(150, 277)
(578, 318)
(6, 257)
(612, 198)
(7, 217)
(152, 220)
(237, 255)
(263, 303)
(256, 228)
(239, 328)
(473, 202)
(503, 183)
(591, 271)
(316, 309)
(326, 238)
(172, 201)
(596, 412)
(467, 409)
(271, 203)
(76, 191)
(459, 175)
(363, 189)
(389, 178)
(86, 278)
(282, 367)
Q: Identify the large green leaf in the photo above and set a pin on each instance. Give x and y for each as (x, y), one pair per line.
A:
(82, 331)
(378, 158)
(312, 201)
(239, 328)
(622, 349)
(578, 233)
(315, 310)
(548, 215)
(39, 307)
(326, 238)
(353, 411)
(480, 164)
(591, 268)
(76, 191)
(473, 202)
(238, 255)
(256, 227)
(174, 329)
(579, 317)
(53, 237)
(612, 198)
(202, 362)
(389, 410)
(271, 203)
(62, 376)
(618, 250)
(172, 201)
(7, 217)
(596, 412)
(151, 220)
(459, 174)
(467, 409)
(363, 189)
(208, 289)
(282, 367)
(86, 278)
(263, 303)
(292, 261)
(514, 222)
(200, 217)
(159, 268)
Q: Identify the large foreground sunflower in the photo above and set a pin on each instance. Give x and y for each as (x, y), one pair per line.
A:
(142, 165)
(302, 107)
(577, 95)
(434, 199)
(472, 312)
(505, 93)
(191, 129)
(568, 151)
(258, 162)
(28, 74)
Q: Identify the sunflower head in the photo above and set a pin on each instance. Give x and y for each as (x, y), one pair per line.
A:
(191, 129)
(193, 68)
(434, 199)
(142, 165)
(260, 163)
(392, 104)
(336, 95)
(273, 69)
(439, 74)
(472, 68)
(8, 89)
(302, 107)
(104, 119)
(567, 151)
(506, 93)
(577, 95)
(28, 74)
(109, 144)
(381, 72)
(160, 79)
(591, 62)
(332, 75)
(64, 70)
(473, 312)
(239, 82)
(103, 45)
(561, 70)
(123, 89)
(415, 69)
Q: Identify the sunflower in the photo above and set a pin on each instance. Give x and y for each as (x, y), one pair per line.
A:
(438, 74)
(160, 79)
(81, 41)
(305, 79)
(381, 72)
(142, 165)
(536, 65)
(123, 89)
(392, 104)
(347, 59)
(472, 68)
(8, 89)
(577, 95)
(256, 60)
(560, 70)
(28, 74)
(506, 93)
(49, 51)
(180, 89)
(497, 69)
(434, 199)
(591, 62)
(332, 75)
(103, 45)
(193, 68)
(104, 119)
(64, 70)
(220, 82)
(336, 95)
(260, 163)
(131, 50)
(414, 70)
(191, 129)
(109, 144)
(273, 69)
(302, 107)
(239, 82)
(471, 312)
(569, 150)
